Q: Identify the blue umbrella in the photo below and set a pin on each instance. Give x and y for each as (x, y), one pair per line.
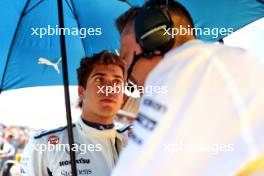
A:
(30, 31)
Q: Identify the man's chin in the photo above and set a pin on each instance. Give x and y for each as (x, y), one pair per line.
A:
(107, 111)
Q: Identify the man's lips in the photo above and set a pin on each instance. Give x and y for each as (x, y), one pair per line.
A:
(108, 100)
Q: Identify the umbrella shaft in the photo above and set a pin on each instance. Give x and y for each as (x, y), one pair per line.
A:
(66, 88)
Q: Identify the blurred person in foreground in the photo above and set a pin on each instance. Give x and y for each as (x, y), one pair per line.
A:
(210, 121)
(98, 143)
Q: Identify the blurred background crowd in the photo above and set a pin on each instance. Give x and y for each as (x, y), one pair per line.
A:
(12, 142)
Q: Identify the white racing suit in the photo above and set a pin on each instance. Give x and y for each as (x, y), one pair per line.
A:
(47, 153)
(209, 122)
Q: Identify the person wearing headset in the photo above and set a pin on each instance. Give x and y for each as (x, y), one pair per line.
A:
(210, 120)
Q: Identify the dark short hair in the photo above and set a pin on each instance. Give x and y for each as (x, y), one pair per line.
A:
(87, 65)
(126, 17)
(179, 10)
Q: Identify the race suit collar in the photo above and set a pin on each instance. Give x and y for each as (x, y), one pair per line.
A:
(98, 126)
(91, 131)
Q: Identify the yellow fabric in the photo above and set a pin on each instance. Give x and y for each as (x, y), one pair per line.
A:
(254, 167)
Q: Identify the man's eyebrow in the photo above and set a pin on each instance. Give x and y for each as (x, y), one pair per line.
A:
(104, 74)
(98, 74)
(118, 76)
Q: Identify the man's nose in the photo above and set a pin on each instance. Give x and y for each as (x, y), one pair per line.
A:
(108, 82)
(107, 87)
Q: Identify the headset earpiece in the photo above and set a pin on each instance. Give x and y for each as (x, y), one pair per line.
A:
(150, 29)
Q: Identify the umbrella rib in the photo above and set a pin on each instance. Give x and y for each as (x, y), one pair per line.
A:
(71, 8)
(262, 1)
(78, 24)
(127, 2)
(32, 7)
(11, 46)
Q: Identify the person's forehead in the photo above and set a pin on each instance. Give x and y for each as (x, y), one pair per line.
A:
(107, 69)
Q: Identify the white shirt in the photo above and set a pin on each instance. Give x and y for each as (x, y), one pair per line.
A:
(7, 150)
(96, 151)
(209, 123)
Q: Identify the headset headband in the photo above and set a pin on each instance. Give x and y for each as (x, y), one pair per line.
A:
(150, 28)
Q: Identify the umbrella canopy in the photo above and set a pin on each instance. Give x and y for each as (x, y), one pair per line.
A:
(30, 33)
(30, 41)
(216, 15)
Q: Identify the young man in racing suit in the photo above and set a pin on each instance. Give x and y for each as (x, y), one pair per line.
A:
(211, 119)
(97, 142)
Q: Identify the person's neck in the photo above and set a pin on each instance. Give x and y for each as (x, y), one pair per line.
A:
(90, 117)
(181, 42)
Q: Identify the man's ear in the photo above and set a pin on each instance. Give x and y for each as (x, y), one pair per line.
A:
(81, 92)
(125, 98)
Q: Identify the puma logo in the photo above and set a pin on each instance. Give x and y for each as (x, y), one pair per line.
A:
(45, 61)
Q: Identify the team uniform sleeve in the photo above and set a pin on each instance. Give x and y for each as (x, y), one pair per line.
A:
(33, 160)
